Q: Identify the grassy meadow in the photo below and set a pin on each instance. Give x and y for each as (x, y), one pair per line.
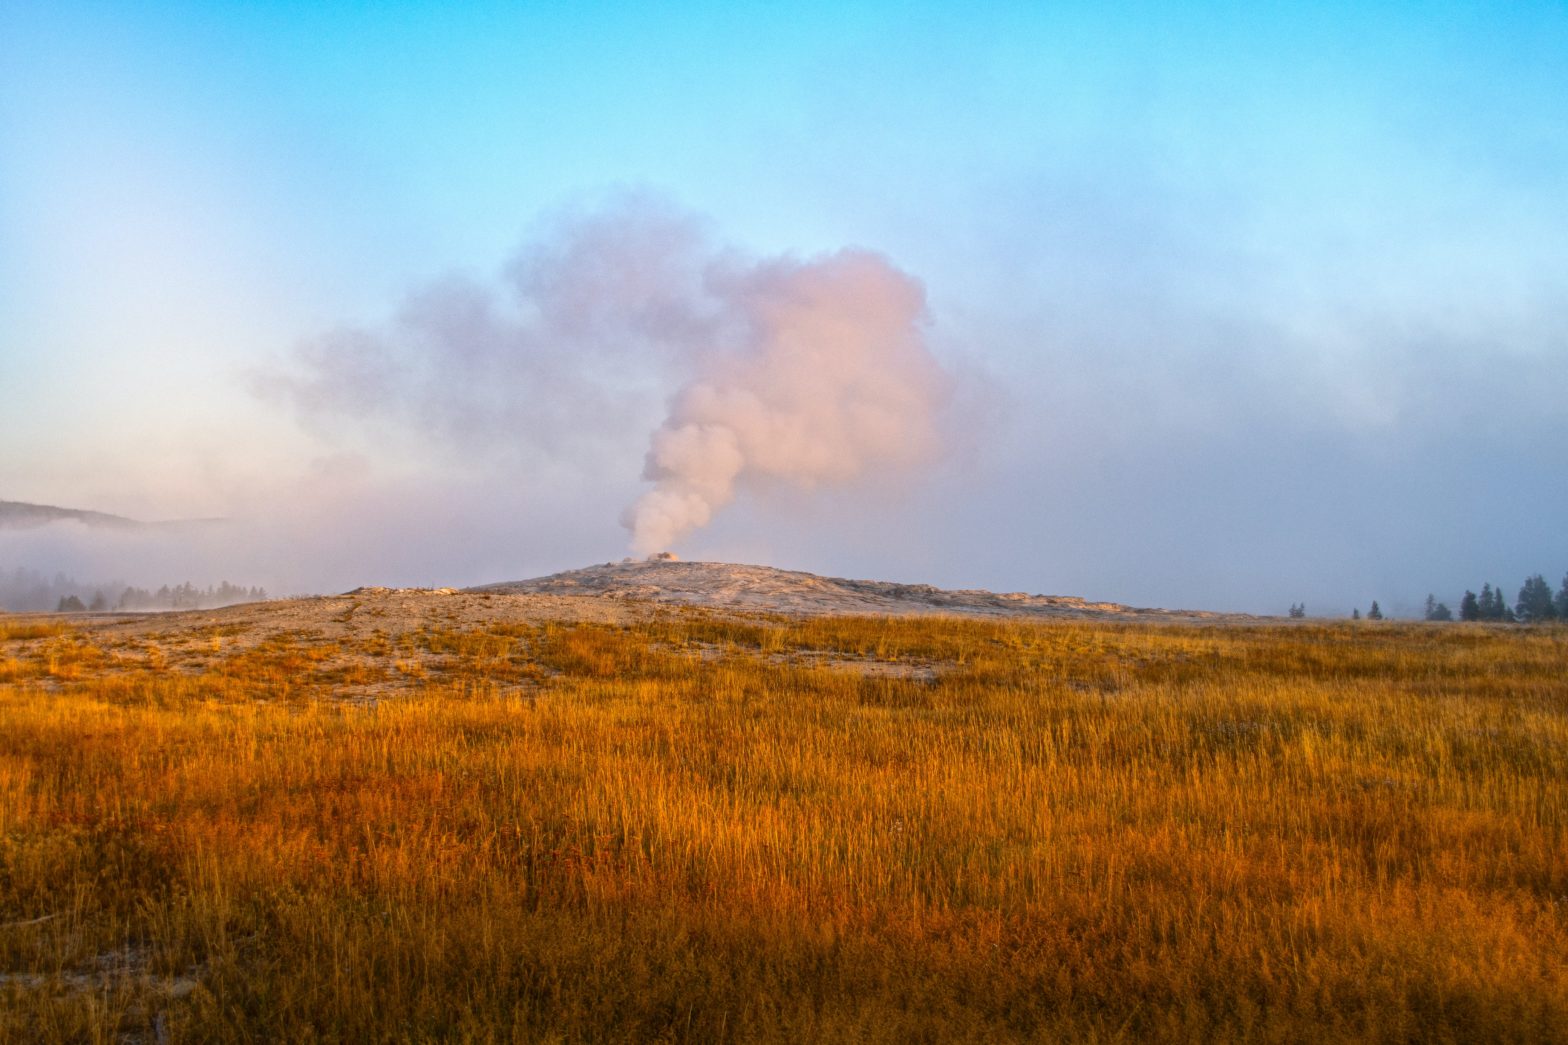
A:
(702, 829)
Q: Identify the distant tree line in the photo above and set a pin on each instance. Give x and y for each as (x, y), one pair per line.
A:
(1535, 604)
(23, 590)
(187, 597)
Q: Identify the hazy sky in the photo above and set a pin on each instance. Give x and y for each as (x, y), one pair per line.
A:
(1239, 306)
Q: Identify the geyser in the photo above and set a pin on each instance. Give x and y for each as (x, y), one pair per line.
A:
(828, 376)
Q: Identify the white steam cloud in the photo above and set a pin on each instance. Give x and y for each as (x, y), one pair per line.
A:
(793, 373)
(829, 377)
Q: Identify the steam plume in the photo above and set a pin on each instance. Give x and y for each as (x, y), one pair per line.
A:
(790, 372)
(829, 377)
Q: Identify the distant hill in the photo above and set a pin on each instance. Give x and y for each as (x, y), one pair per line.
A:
(18, 515)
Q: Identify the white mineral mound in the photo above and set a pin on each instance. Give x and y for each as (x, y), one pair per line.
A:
(762, 588)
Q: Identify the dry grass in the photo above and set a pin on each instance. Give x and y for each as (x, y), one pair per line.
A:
(699, 829)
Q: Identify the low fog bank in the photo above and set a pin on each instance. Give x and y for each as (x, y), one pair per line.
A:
(307, 540)
(1062, 496)
(27, 591)
(1250, 520)
(1175, 529)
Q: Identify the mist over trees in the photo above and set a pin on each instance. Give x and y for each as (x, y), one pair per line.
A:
(1536, 603)
(29, 591)
(187, 597)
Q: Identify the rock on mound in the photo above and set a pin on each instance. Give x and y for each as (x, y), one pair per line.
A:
(788, 591)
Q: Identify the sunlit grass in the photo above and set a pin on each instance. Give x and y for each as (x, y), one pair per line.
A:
(707, 829)
(18, 630)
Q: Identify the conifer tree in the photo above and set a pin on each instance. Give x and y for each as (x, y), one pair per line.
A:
(1535, 601)
(1500, 608)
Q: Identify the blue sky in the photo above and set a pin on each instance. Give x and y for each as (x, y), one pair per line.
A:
(1251, 304)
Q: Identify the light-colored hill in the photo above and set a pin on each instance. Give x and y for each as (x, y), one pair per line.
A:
(769, 590)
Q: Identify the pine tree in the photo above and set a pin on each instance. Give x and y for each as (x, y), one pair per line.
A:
(1535, 601)
(1374, 613)
(1437, 610)
(1494, 606)
(1469, 607)
(1355, 614)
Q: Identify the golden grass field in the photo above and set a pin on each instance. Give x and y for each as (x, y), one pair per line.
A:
(700, 828)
